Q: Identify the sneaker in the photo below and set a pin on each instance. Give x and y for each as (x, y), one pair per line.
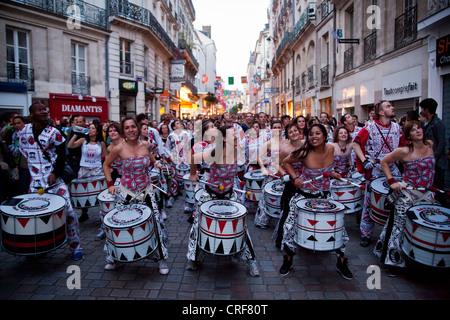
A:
(77, 255)
(163, 268)
(191, 265)
(254, 271)
(287, 265)
(365, 242)
(100, 235)
(342, 268)
(84, 216)
(114, 265)
(170, 202)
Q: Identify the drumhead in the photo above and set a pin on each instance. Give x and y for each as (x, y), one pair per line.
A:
(254, 175)
(430, 216)
(33, 204)
(223, 209)
(320, 205)
(381, 185)
(105, 196)
(183, 167)
(275, 187)
(335, 183)
(127, 216)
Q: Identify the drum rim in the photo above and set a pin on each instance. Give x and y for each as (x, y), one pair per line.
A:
(88, 179)
(37, 214)
(410, 212)
(128, 226)
(315, 211)
(398, 178)
(223, 217)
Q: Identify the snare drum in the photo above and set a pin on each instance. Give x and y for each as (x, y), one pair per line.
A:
(33, 224)
(190, 188)
(167, 170)
(253, 184)
(106, 201)
(84, 191)
(181, 170)
(351, 196)
(319, 224)
(427, 235)
(131, 233)
(379, 189)
(222, 227)
(272, 196)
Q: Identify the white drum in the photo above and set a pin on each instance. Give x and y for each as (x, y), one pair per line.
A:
(131, 233)
(182, 169)
(190, 188)
(198, 194)
(351, 196)
(359, 177)
(379, 190)
(272, 196)
(253, 185)
(84, 191)
(426, 238)
(33, 224)
(222, 227)
(106, 201)
(319, 224)
(156, 180)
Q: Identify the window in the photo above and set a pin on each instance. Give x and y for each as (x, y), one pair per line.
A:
(126, 66)
(78, 53)
(17, 52)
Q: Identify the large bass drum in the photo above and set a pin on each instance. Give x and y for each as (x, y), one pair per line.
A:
(84, 191)
(33, 224)
(222, 227)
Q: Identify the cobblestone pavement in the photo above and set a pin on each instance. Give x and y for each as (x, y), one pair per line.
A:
(314, 275)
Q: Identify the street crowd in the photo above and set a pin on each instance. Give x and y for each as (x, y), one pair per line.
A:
(306, 154)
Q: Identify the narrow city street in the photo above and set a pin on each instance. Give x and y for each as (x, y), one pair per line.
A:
(314, 275)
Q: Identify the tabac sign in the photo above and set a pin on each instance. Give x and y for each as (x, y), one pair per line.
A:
(128, 86)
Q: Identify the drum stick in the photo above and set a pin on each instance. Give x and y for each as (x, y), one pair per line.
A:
(42, 190)
(362, 187)
(159, 188)
(431, 189)
(325, 175)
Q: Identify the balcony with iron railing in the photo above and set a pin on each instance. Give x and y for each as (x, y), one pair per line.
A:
(324, 76)
(311, 77)
(435, 6)
(21, 74)
(80, 10)
(370, 47)
(81, 84)
(184, 45)
(132, 12)
(325, 9)
(348, 59)
(406, 28)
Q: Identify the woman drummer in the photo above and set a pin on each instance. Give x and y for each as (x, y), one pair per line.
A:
(220, 184)
(343, 147)
(317, 158)
(419, 163)
(93, 150)
(135, 183)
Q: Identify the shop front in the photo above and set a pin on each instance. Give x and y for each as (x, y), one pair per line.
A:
(69, 104)
(128, 91)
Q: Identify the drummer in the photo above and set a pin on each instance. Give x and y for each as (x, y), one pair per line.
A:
(317, 158)
(220, 185)
(419, 163)
(93, 150)
(342, 142)
(135, 184)
(46, 166)
(268, 157)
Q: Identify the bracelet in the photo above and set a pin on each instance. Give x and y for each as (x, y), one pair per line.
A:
(292, 180)
(391, 181)
(110, 183)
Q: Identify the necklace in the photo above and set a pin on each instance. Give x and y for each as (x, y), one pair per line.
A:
(343, 150)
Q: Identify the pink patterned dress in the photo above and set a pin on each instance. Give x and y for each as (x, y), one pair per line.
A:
(135, 175)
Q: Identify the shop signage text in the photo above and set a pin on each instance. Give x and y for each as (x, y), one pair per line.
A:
(81, 109)
(443, 51)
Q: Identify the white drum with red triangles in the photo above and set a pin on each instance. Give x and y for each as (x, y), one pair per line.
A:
(222, 227)
(351, 196)
(84, 191)
(426, 238)
(319, 224)
(253, 185)
(272, 195)
(33, 224)
(190, 188)
(182, 170)
(131, 233)
(379, 190)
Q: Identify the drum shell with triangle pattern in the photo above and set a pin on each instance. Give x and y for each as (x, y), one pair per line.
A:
(319, 224)
(222, 234)
(272, 196)
(379, 190)
(190, 188)
(254, 181)
(132, 240)
(28, 231)
(84, 191)
(351, 196)
(426, 238)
